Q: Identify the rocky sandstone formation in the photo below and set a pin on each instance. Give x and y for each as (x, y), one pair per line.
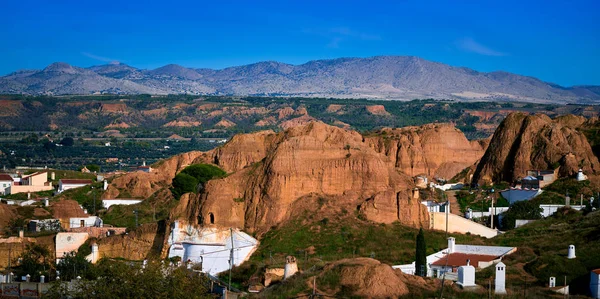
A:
(524, 142)
(377, 110)
(275, 176)
(436, 150)
(368, 278)
(270, 174)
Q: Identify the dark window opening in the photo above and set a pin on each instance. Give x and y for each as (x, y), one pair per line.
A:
(212, 218)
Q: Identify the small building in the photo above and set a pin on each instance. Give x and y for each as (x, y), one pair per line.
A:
(595, 283)
(530, 182)
(34, 182)
(48, 225)
(90, 221)
(146, 169)
(457, 255)
(67, 184)
(6, 182)
(210, 246)
(545, 177)
(436, 207)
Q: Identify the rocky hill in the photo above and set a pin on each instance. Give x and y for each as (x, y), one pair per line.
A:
(435, 150)
(395, 77)
(524, 142)
(276, 176)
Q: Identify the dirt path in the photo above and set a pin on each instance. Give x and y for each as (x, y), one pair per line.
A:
(454, 206)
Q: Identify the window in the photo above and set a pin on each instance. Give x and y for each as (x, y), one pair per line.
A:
(82, 223)
(211, 216)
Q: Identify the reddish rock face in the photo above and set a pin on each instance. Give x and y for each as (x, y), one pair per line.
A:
(436, 150)
(272, 173)
(275, 176)
(524, 142)
(377, 110)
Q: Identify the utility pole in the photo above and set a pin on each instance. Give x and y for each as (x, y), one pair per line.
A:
(447, 210)
(94, 200)
(230, 258)
(314, 294)
(136, 217)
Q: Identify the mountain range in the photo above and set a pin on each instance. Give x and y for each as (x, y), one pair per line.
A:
(388, 77)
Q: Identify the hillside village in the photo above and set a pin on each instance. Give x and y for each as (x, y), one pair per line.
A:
(319, 208)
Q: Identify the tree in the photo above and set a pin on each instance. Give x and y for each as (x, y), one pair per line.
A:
(204, 172)
(421, 255)
(49, 145)
(73, 265)
(126, 279)
(526, 209)
(183, 183)
(67, 141)
(193, 178)
(35, 261)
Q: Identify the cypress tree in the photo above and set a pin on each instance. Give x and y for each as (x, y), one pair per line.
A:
(421, 255)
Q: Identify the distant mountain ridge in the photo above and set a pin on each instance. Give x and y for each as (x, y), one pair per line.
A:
(390, 77)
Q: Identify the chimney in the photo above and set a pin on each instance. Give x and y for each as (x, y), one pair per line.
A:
(52, 176)
(451, 243)
(27, 278)
(21, 233)
(105, 185)
(46, 202)
(552, 282)
(468, 262)
(28, 195)
(571, 254)
(42, 279)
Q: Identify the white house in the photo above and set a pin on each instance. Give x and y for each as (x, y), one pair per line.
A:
(66, 184)
(107, 203)
(5, 182)
(457, 255)
(210, 247)
(90, 221)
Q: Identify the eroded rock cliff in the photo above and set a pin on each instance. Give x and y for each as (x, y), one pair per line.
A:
(524, 142)
(436, 150)
(275, 176)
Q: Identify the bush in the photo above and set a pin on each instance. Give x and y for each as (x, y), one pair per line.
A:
(521, 210)
(183, 183)
(193, 178)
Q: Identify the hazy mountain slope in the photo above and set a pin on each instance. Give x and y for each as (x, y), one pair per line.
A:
(395, 77)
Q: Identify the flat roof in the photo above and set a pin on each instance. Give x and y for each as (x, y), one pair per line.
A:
(75, 181)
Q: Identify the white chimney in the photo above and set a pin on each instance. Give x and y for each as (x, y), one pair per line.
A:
(21, 233)
(46, 202)
(28, 195)
(451, 243)
(571, 254)
(105, 185)
(42, 279)
(27, 278)
(290, 268)
(500, 279)
(552, 282)
(52, 176)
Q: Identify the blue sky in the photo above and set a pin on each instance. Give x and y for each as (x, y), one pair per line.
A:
(556, 41)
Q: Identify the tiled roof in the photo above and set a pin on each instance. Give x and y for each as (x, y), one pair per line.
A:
(460, 259)
(5, 177)
(597, 271)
